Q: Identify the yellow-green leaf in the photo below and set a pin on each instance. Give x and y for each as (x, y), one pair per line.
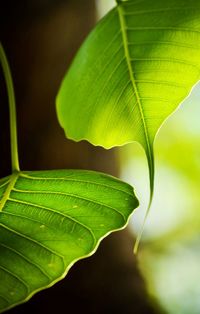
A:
(132, 72)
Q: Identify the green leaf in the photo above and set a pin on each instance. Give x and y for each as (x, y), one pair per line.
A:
(131, 73)
(51, 219)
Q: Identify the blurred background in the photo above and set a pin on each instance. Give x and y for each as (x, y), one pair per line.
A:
(41, 38)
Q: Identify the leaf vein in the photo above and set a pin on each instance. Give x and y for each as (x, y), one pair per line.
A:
(164, 28)
(5, 183)
(4, 298)
(74, 180)
(54, 211)
(70, 195)
(16, 277)
(4, 199)
(166, 60)
(170, 43)
(26, 259)
(132, 78)
(4, 226)
(141, 12)
(168, 83)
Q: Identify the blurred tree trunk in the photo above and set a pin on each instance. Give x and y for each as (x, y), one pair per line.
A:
(40, 38)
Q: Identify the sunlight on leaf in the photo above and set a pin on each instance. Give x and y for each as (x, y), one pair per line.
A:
(131, 73)
(51, 219)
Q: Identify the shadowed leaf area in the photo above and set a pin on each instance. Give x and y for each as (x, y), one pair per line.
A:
(51, 219)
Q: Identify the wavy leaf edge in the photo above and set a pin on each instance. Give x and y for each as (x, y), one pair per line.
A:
(13, 179)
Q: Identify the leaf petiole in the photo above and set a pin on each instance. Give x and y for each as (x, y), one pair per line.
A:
(12, 110)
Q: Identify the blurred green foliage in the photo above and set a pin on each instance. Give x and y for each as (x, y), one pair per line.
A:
(170, 252)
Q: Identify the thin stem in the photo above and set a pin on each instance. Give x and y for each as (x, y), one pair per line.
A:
(151, 166)
(12, 109)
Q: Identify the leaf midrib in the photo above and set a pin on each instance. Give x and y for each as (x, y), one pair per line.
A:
(8, 190)
(132, 78)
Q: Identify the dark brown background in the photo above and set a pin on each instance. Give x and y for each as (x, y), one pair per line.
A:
(41, 38)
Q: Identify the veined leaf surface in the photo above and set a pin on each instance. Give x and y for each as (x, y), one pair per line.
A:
(131, 73)
(51, 219)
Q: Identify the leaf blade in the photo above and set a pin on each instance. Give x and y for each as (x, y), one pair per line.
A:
(136, 67)
(51, 219)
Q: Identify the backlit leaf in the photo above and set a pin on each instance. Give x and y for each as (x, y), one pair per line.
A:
(51, 219)
(132, 72)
